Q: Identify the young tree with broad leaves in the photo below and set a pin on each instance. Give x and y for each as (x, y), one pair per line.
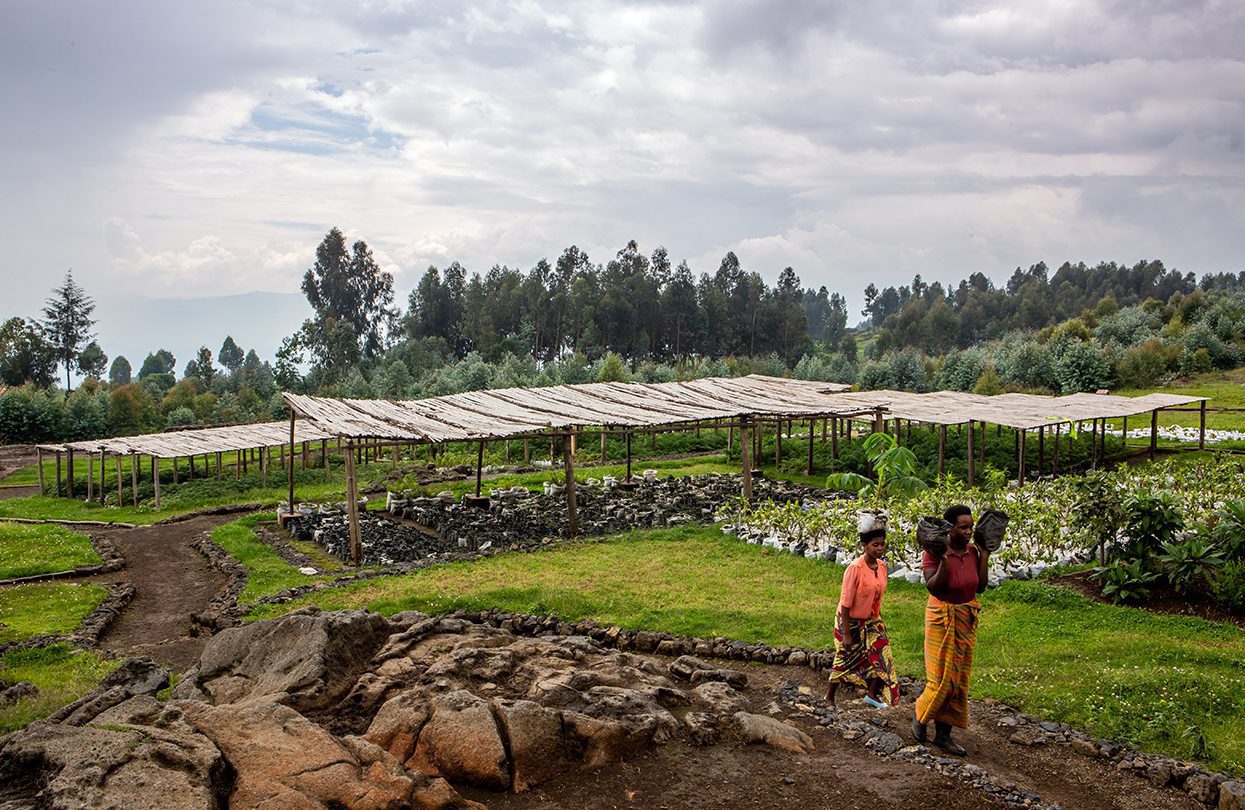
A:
(67, 323)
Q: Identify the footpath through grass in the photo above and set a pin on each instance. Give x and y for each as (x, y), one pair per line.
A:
(26, 550)
(1122, 672)
(27, 611)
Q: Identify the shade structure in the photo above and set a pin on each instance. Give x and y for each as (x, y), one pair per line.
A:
(181, 443)
(1020, 411)
(509, 412)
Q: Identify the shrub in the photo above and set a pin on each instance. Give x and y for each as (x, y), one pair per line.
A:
(1188, 563)
(1125, 582)
(1228, 529)
(1150, 521)
(1227, 585)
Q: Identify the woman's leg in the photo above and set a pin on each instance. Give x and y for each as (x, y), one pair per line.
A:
(830, 693)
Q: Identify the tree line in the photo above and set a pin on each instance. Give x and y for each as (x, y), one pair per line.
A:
(636, 316)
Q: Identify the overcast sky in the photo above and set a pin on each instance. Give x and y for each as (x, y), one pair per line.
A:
(191, 149)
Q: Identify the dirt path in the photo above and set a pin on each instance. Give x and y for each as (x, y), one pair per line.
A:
(7, 493)
(172, 580)
(842, 774)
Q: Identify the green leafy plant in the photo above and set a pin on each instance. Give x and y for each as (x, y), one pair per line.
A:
(1150, 520)
(894, 466)
(1227, 585)
(1098, 510)
(1188, 563)
(1125, 581)
(1228, 529)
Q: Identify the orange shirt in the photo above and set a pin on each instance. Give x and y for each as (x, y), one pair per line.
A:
(862, 589)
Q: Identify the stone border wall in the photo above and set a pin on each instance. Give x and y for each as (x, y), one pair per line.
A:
(93, 626)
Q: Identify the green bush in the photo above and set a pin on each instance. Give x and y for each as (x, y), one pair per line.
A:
(1228, 529)
(1125, 581)
(1188, 563)
(1150, 521)
(1227, 585)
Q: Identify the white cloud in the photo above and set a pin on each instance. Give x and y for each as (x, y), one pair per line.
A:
(856, 143)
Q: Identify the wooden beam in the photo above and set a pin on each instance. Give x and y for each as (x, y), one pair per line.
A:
(972, 457)
(942, 449)
(480, 464)
(1041, 451)
(120, 487)
(324, 456)
(568, 460)
(39, 456)
(602, 447)
(102, 467)
(69, 471)
(745, 453)
(1020, 472)
(1093, 445)
(628, 456)
(174, 469)
(58, 473)
(155, 480)
(812, 428)
(1201, 434)
(135, 463)
(90, 476)
(293, 416)
(352, 506)
(1154, 433)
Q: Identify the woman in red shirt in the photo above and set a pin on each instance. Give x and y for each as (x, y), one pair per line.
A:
(862, 652)
(953, 577)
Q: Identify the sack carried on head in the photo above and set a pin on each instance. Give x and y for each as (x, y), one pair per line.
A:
(990, 527)
(934, 534)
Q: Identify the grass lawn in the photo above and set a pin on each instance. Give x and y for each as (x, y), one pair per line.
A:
(63, 674)
(27, 611)
(267, 572)
(1226, 389)
(27, 549)
(1122, 672)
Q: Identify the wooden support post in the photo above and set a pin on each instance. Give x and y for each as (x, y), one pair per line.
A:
(628, 455)
(568, 459)
(69, 471)
(90, 476)
(730, 438)
(290, 482)
(602, 445)
(1201, 434)
(834, 439)
(242, 454)
(174, 469)
(155, 480)
(745, 453)
(479, 465)
(218, 464)
(1154, 433)
(305, 455)
(352, 506)
(812, 426)
(135, 463)
(102, 467)
(1020, 471)
(39, 467)
(972, 457)
(1093, 445)
(505, 445)
(263, 467)
(120, 487)
(574, 444)
(825, 427)
(58, 473)
(1041, 451)
(652, 445)
(324, 457)
(942, 450)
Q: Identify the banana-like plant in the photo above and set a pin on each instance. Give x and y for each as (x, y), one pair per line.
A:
(894, 466)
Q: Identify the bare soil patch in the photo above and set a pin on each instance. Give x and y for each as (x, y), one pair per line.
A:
(838, 773)
(172, 580)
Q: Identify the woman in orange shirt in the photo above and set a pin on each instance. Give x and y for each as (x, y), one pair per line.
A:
(862, 651)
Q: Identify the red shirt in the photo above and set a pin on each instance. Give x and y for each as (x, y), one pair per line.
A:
(862, 589)
(962, 579)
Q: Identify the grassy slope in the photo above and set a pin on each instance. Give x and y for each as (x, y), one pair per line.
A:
(267, 573)
(1123, 672)
(28, 549)
(62, 673)
(34, 610)
(1226, 389)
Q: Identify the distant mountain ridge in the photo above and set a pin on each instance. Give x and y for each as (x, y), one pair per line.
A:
(133, 326)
